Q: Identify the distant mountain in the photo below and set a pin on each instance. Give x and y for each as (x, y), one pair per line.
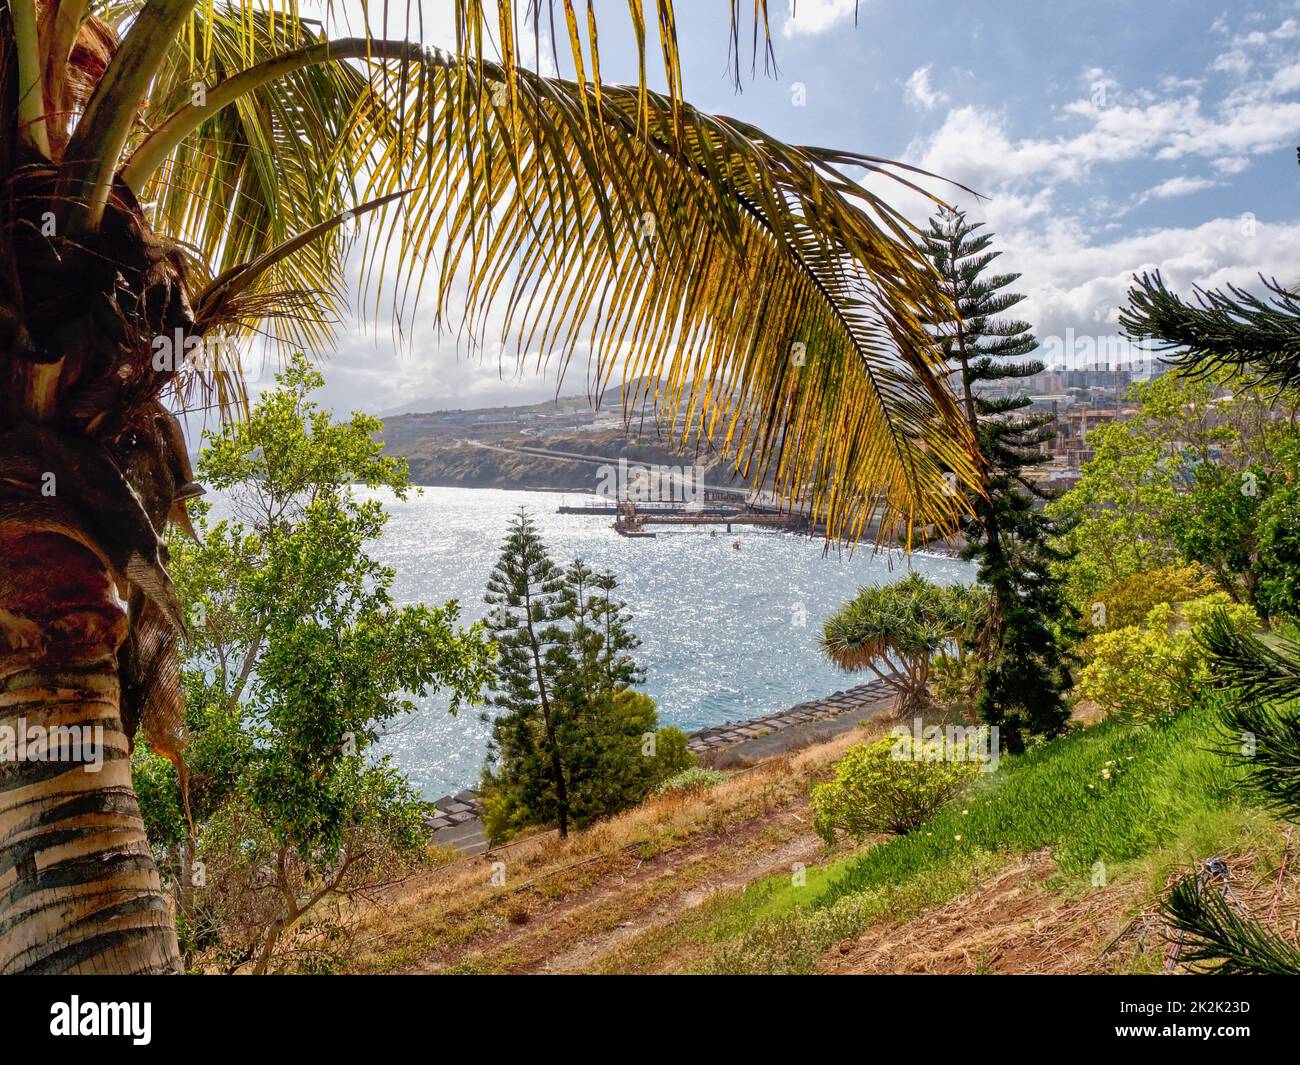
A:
(558, 444)
(611, 401)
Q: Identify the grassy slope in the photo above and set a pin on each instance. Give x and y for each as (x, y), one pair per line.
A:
(1168, 802)
(716, 881)
(626, 873)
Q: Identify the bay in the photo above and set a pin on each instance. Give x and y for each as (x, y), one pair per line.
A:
(727, 634)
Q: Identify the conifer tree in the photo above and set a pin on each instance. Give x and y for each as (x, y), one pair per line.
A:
(525, 593)
(618, 642)
(1023, 648)
(573, 740)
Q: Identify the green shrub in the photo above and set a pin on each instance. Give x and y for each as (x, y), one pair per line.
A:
(1279, 550)
(890, 785)
(1129, 600)
(1062, 796)
(954, 680)
(671, 756)
(1152, 669)
(697, 778)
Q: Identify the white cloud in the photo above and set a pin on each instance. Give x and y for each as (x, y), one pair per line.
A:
(1072, 281)
(1177, 186)
(1075, 271)
(975, 146)
(1287, 30)
(1231, 164)
(1232, 62)
(921, 92)
(1058, 215)
(817, 16)
(1287, 79)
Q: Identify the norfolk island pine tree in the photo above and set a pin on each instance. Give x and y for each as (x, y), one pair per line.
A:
(1024, 642)
(524, 594)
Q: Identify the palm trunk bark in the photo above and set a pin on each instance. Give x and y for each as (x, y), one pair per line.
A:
(79, 890)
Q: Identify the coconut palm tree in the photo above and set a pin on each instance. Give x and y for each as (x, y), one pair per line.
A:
(179, 175)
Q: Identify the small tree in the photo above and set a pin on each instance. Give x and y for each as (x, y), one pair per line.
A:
(894, 630)
(1130, 599)
(572, 725)
(526, 593)
(1183, 479)
(1216, 523)
(295, 659)
(618, 642)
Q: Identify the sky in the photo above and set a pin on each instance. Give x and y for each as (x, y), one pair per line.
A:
(1106, 138)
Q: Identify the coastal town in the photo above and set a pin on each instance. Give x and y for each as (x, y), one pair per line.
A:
(550, 446)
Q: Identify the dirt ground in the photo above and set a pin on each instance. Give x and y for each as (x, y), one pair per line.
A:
(590, 903)
(628, 895)
(1018, 922)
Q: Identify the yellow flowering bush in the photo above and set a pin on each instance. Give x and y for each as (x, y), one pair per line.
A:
(1151, 669)
(893, 784)
(1128, 601)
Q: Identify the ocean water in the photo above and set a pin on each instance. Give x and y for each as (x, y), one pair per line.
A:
(726, 634)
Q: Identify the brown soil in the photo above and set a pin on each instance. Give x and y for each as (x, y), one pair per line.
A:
(1018, 922)
(1014, 923)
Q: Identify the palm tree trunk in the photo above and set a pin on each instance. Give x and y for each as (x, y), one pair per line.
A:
(79, 891)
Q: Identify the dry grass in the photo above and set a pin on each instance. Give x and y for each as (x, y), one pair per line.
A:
(556, 892)
(1016, 921)
(670, 885)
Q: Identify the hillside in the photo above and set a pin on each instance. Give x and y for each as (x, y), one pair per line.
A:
(495, 461)
(733, 879)
(488, 447)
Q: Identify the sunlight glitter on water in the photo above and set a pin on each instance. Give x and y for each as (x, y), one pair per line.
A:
(726, 634)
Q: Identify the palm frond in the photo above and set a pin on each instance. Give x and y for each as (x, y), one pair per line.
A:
(779, 304)
(1224, 938)
(769, 305)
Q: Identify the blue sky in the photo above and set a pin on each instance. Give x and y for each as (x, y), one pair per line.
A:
(1107, 137)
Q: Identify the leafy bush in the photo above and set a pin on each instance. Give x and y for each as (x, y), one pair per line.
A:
(671, 758)
(890, 785)
(697, 778)
(1173, 783)
(1152, 669)
(1279, 549)
(1129, 600)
